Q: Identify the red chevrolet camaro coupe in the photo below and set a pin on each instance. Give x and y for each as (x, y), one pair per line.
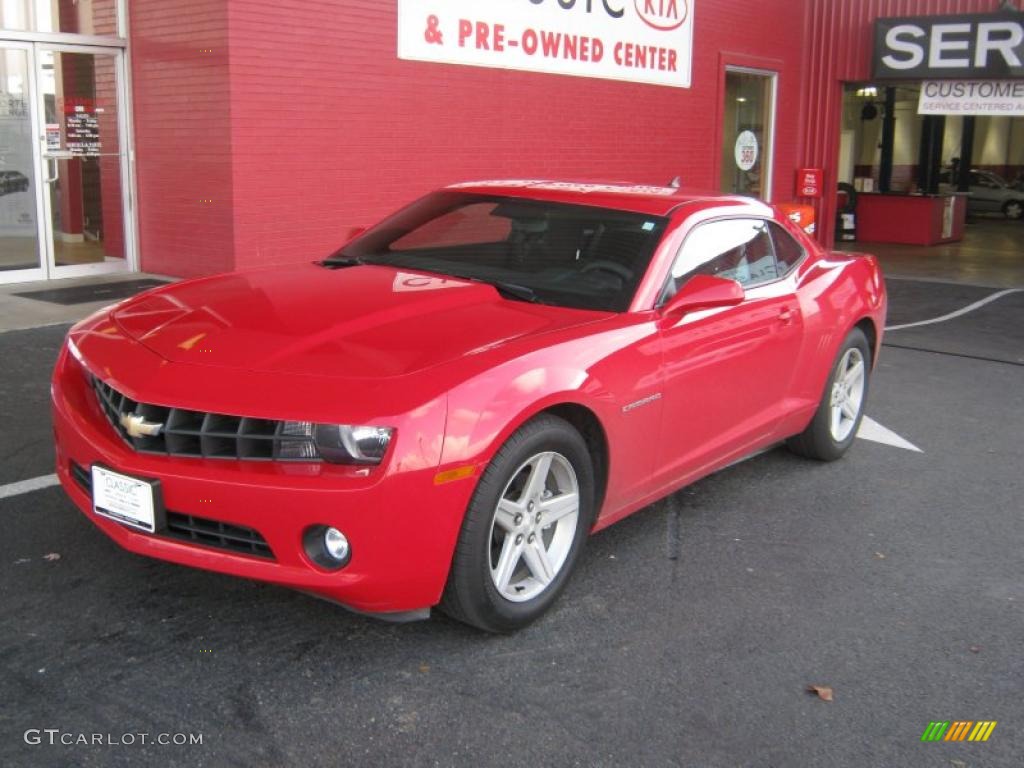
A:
(439, 413)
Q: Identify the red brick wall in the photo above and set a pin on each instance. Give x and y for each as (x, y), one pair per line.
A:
(308, 124)
(179, 56)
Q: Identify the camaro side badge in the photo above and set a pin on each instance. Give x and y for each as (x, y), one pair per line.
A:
(644, 401)
(137, 426)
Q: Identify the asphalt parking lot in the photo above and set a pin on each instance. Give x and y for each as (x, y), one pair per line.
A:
(688, 636)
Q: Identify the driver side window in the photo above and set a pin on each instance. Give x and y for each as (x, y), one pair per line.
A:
(738, 249)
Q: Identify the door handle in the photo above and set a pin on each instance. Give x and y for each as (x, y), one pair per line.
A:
(786, 315)
(53, 170)
(54, 156)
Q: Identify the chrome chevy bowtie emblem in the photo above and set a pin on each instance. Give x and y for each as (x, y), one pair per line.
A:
(137, 426)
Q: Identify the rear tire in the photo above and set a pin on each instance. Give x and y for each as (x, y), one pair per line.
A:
(1013, 209)
(524, 528)
(834, 426)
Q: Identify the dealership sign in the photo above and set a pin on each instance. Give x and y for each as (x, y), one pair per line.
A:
(972, 97)
(644, 41)
(983, 45)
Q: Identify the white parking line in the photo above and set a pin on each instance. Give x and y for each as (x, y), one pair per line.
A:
(27, 486)
(876, 433)
(959, 312)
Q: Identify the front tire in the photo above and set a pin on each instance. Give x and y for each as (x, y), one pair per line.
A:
(524, 528)
(834, 426)
(1013, 209)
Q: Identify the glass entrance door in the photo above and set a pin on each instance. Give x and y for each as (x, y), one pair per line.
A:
(23, 252)
(63, 200)
(748, 132)
(83, 158)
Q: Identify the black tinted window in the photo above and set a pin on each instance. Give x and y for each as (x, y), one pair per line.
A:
(788, 251)
(569, 255)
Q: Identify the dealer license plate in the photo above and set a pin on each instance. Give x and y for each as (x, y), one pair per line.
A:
(124, 499)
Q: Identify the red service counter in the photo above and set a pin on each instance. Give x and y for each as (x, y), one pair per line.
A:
(910, 219)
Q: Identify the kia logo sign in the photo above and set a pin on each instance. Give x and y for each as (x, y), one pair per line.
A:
(982, 45)
(665, 15)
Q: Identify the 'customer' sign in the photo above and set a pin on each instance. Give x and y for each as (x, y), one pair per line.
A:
(972, 97)
(645, 41)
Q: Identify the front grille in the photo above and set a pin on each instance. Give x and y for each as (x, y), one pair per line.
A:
(207, 435)
(198, 530)
(213, 533)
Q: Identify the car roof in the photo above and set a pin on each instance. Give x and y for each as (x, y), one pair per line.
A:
(637, 198)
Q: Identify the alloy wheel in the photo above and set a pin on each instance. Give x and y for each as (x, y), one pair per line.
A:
(847, 394)
(534, 526)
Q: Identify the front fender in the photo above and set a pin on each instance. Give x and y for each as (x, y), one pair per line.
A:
(608, 373)
(485, 412)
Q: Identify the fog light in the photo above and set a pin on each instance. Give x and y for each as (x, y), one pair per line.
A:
(327, 547)
(336, 544)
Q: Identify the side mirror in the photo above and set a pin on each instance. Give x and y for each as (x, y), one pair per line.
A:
(702, 292)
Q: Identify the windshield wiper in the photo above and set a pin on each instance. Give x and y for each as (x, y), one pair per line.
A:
(505, 289)
(513, 291)
(340, 260)
(516, 291)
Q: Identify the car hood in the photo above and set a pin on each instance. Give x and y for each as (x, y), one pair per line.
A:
(356, 322)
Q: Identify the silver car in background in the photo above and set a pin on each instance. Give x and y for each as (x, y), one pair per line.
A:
(987, 193)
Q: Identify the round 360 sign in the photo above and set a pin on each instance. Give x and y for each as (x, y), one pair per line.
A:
(746, 150)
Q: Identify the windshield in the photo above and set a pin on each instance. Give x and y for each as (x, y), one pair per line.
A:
(554, 253)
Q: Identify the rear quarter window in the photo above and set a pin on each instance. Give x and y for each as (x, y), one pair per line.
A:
(788, 252)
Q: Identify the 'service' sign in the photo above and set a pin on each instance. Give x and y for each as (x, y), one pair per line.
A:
(979, 45)
(643, 41)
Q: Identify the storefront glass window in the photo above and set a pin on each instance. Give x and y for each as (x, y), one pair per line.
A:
(82, 17)
(19, 241)
(83, 156)
(748, 133)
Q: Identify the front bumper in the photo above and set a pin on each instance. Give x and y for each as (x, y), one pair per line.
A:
(401, 525)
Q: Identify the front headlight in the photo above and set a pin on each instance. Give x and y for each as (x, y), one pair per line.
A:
(348, 444)
(295, 441)
(73, 349)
